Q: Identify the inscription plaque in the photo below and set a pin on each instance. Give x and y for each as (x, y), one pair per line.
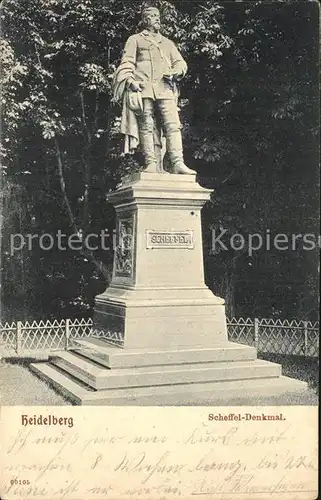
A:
(169, 239)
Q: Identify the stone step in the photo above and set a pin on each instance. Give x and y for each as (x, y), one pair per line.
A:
(103, 378)
(217, 393)
(66, 385)
(114, 357)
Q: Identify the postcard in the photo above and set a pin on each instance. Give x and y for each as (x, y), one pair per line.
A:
(159, 325)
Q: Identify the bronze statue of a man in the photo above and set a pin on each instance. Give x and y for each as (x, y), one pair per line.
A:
(145, 83)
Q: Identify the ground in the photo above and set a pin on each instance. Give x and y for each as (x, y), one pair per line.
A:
(19, 386)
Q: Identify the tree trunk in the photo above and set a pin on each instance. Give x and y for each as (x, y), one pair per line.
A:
(102, 269)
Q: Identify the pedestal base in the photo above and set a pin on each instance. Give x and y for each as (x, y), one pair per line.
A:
(98, 374)
(168, 318)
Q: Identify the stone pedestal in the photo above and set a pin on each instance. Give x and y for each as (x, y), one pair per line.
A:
(157, 297)
(175, 349)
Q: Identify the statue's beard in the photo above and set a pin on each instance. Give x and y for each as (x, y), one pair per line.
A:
(153, 27)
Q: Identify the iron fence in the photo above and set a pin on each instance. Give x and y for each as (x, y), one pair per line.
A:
(276, 336)
(267, 335)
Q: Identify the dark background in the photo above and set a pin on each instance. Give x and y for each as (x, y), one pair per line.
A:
(250, 113)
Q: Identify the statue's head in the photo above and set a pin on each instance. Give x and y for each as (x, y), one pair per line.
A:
(151, 18)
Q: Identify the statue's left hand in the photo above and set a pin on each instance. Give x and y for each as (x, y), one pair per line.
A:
(136, 86)
(177, 76)
(173, 76)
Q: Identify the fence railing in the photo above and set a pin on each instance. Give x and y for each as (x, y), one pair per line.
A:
(276, 336)
(267, 335)
(27, 338)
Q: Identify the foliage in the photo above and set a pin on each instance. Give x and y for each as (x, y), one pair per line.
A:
(249, 139)
(250, 123)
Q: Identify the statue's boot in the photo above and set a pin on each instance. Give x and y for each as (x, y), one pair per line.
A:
(181, 168)
(175, 151)
(159, 159)
(151, 168)
(148, 150)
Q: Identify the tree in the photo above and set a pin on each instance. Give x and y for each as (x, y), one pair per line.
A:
(61, 146)
(249, 137)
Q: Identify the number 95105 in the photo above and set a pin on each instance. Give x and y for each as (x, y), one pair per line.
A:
(19, 481)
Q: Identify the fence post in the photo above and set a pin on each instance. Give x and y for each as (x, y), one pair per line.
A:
(256, 332)
(19, 337)
(305, 325)
(67, 334)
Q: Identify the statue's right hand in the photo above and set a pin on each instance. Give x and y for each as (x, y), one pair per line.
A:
(135, 87)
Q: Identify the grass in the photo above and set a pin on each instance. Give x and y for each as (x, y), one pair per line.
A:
(19, 386)
(298, 367)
